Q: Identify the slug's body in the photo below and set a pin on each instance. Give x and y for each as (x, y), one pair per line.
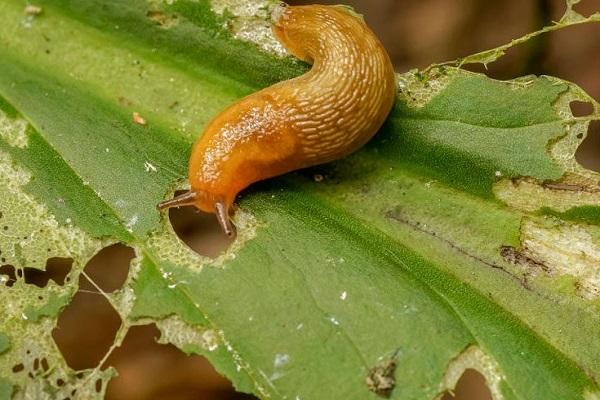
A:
(318, 117)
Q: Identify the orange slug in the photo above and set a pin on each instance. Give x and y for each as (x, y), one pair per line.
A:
(321, 116)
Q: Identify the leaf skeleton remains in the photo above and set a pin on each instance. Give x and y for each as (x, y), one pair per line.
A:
(321, 116)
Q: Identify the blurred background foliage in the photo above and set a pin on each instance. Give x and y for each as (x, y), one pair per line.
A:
(416, 33)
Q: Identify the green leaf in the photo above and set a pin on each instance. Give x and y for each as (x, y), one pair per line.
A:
(583, 214)
(6, 389)
(4, 343)
(465, 235)
(50, 309)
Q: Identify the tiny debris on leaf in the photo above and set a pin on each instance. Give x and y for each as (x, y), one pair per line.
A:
(161, 19)
(149, 167)
(138, 119)
(124, 101)
(380, 379)
(32, 10)
(318, 178)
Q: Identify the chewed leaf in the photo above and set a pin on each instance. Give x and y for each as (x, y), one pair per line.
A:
(464, 236)
(569, 18)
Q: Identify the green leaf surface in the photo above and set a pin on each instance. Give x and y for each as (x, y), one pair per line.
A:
(6, 389)
(583, 214)
(4, 343)
(447, 243)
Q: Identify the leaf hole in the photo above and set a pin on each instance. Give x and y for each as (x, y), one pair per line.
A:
(581, 108)
(45, 365)
(18, 368)
(471, 386)
(57, 268)
(148, 370)
(586, 7)
(588, 152)
(98, 386)
(7, 275)
(110, 266)
(86, 328)
(200, 231)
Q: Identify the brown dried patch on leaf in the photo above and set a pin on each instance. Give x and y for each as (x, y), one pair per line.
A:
(380, 379)
(529, 195)
(556, 248)
(162, 19)
(516, 257)
(566, 250)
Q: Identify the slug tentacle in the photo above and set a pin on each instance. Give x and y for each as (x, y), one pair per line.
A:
(321, 116)
(186, 199)
(223, 217)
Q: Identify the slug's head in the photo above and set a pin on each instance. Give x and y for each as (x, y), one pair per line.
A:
(294, 26)
(299, 28)
(204, 202)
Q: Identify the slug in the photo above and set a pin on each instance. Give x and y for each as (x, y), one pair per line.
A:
(321, 116)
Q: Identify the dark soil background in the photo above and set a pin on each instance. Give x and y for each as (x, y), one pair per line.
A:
(416, 34)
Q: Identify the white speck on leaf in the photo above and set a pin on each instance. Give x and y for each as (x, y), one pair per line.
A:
(149, 167)
(138, 119)
(33, 10)
(131, 223)
(344, 295)
(281, 360)
(334, 321)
